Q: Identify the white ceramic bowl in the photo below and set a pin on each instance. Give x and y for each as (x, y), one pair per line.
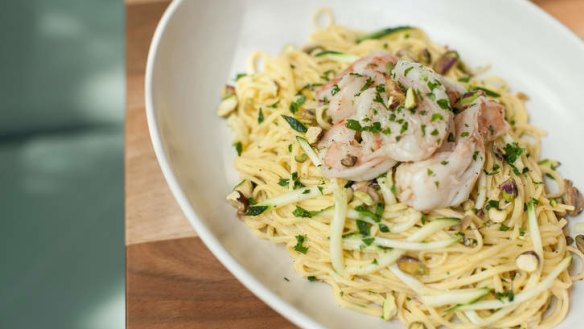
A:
(199, 45)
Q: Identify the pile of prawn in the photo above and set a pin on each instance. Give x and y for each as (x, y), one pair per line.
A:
(440, 155)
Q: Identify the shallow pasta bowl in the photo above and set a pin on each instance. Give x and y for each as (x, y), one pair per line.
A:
(199, 45)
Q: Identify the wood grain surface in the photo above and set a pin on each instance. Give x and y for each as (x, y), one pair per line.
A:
(173, 281)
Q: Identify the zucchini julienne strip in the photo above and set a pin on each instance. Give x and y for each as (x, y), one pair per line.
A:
(434, 298)
(524, 295)
(390, 257)
(337, 226)
(355, 242)
(309, 151)
(383, 33)
(298, 195)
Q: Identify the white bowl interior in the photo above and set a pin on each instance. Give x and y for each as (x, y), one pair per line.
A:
(201, 44)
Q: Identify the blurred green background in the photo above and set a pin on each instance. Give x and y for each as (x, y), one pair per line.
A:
(61, 164)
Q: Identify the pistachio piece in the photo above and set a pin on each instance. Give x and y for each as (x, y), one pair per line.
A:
(245, 187)
(446, 62)
(509, 190)
(411, 101)
(425, 57)
(301, 157)
(499, 154)
(580, 242)
(349, 161)
(573, 197)
(371, 195)
(307, 116)
(228, 91)
(527, 261)
(395, 93)
(497, 216)
(405, 54)
(411, 265)
(227, 106)
(363, 197)
(238, 201)
(522, 96)
(313, 134)
(465, 222)
(311, 48)
(389, 308)
(417, 325)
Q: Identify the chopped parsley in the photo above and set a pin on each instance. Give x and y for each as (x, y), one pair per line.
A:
(383, 228)
(335, 90)
(353, 125)
(503, 228)
(521, 231)
(433, 84)
(238, 148)
(297, 103)
(273, 106)
(464, 134)
(408, 71)
(364, 212)
(404, 127)
(506, 294)
(295, 124)
(303, 213)
(494, 170)
(326, 74)
(475, 155)
(367, 84)
(260, 116)
(311, 278)
(512, 152)
(450, 138)
(444, 162)
(368, 240)
(363, 227)
(295, 179)
(300, 244)
(430, 172)
(488, 92)
(239, 76)
(436, 116)
(492, 204)
(434, 132)
(443, 103)
(255, 210)
(374, 128)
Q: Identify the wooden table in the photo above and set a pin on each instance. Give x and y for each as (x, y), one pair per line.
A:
(173, 281)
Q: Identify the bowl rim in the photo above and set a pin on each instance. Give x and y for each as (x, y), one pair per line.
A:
(208, 238)
(249, 281)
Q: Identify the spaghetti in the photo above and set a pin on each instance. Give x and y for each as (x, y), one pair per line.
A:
(500, 259)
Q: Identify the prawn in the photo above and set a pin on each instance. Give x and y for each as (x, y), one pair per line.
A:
(374, 127)
(447, 178)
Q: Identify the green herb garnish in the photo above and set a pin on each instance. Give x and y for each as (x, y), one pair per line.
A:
(295, 124)
(300, 244)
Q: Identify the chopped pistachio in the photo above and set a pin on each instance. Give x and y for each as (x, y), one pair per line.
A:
(527, 261)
